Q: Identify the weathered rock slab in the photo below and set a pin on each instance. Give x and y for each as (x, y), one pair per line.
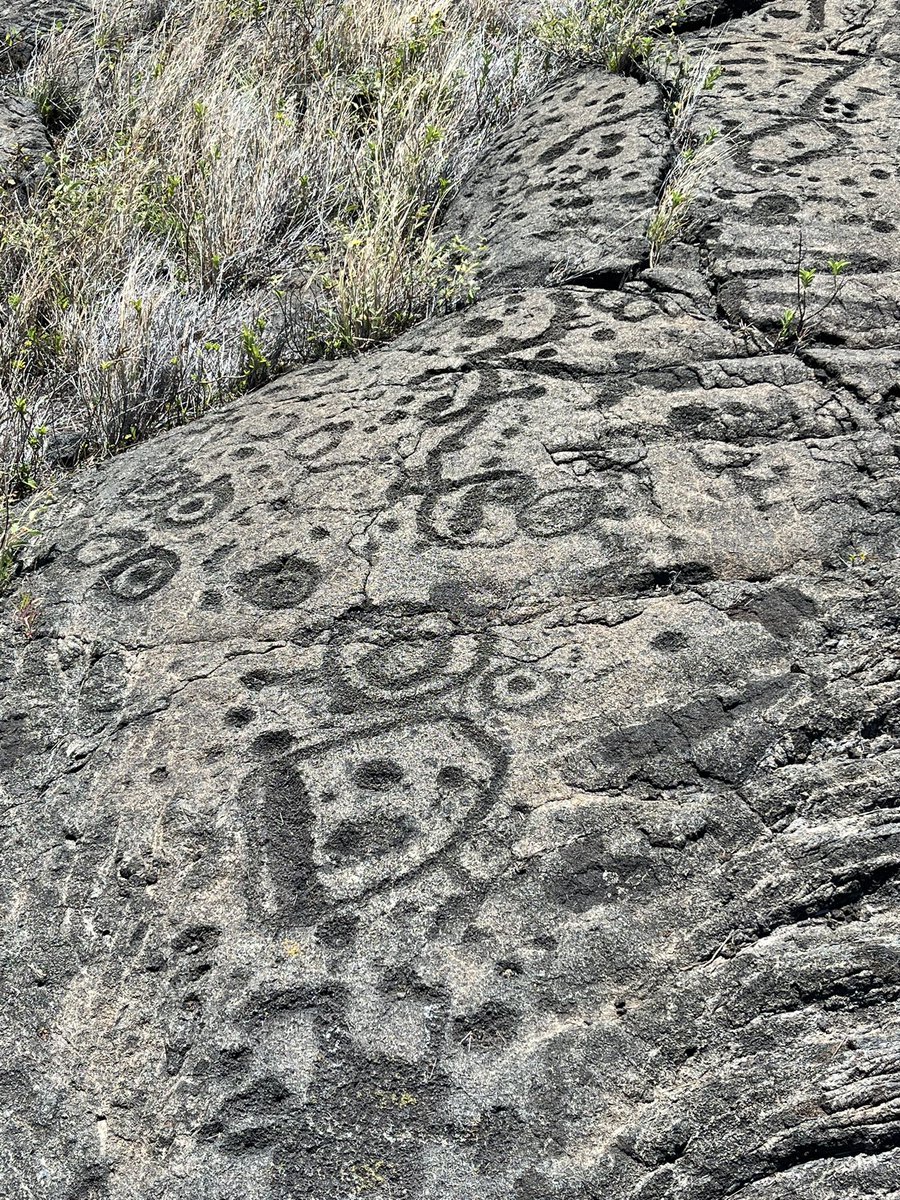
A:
(470, 772)
(812, 175)
(571, 187)
(24, 145)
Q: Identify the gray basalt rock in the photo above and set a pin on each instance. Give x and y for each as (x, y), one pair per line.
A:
(24, 145)
(471, 772)
(21, 21)
(811, 101)
(570, 188)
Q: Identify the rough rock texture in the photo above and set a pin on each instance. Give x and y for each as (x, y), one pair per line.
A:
(471, 772)
(571, 186)
(22, 20)
(813, 105)
(24, 143)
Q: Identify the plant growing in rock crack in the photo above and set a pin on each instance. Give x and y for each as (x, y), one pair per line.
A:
(19, 525)
(684, 79)
(690, 174)
(28, 614)
(798, 323)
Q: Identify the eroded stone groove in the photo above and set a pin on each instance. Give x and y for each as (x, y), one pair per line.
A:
(471, 772)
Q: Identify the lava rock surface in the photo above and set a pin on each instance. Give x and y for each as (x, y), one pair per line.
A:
(471, 772)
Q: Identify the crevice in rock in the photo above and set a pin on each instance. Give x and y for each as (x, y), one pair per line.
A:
(605, 281)
(707, 14)
(825, 1145)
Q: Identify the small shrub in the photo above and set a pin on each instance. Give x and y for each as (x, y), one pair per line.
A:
(798, 323)
(618, 34)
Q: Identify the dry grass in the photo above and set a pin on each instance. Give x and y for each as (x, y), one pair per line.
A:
(237, 186)
(691, 176)
(17, 529)
(240, 186)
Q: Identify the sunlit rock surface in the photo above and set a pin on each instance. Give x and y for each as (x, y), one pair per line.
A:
(471, 772)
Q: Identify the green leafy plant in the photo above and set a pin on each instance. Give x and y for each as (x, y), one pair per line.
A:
(798, 322)
(255, 366)
(19, 525)
(688, 177)
(618, 34)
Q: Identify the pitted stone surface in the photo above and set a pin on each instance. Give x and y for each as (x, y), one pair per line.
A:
(811, 101)
(571, 187)
(469, 773)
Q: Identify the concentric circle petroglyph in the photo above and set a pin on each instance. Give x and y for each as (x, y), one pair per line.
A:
(140, 575)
